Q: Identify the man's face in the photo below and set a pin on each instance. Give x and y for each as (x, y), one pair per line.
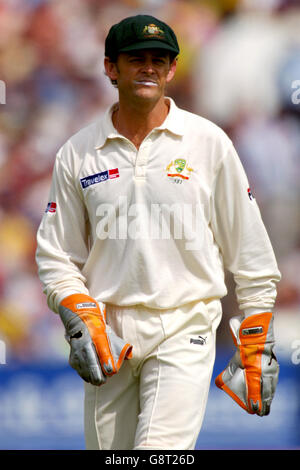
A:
(142, 74)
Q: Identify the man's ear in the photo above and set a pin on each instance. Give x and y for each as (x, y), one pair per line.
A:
(172, 71)
(111, 69)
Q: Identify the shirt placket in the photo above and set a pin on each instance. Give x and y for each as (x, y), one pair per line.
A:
(141, 161)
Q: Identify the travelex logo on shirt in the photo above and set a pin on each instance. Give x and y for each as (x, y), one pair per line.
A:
(99, 177)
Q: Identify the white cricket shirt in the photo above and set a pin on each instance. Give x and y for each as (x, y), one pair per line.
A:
(154, 226)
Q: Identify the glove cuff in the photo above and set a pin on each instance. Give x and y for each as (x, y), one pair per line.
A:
(256, 329)
(79, 302)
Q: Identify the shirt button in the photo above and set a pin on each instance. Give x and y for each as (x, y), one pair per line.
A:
(140, 171)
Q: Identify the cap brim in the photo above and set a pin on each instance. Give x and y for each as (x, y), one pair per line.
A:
(155, 44)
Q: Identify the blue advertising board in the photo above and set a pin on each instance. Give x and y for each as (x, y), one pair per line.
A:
(42, 408)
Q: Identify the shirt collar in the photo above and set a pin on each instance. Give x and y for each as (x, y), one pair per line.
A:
(106, 128)
(173, 123)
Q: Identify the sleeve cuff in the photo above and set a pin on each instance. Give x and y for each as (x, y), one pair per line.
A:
(252, 311)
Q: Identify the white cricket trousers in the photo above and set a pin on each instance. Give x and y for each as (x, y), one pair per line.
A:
(158, 398)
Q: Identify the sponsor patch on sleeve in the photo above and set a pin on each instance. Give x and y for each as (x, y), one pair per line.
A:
(251, 197)
(51, 207)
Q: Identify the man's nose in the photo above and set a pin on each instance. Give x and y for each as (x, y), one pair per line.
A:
(148, 66)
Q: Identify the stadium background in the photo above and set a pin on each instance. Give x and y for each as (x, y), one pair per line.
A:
(240, 67)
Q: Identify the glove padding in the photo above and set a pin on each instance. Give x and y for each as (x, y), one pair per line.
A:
(252, 374)
(96, 351)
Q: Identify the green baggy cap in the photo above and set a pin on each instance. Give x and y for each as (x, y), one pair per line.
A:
(140, 32)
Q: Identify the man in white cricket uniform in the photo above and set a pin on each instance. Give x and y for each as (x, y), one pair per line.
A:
(147, 207)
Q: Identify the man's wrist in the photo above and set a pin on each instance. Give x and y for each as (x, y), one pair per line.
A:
(254, 311)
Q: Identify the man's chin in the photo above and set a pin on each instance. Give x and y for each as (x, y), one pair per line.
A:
(147, 93)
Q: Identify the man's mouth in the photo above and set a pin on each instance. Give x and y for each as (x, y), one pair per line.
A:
(145, 82)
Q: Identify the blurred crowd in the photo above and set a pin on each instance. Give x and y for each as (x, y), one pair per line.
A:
(239, 66)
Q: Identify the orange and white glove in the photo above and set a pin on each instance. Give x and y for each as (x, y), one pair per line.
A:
(96, 351)
(252, 374)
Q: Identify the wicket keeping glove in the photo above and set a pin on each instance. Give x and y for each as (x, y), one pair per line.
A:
(96, 351)
(252, 374)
